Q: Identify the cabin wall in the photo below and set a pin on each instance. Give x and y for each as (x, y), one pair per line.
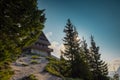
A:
(42, 53)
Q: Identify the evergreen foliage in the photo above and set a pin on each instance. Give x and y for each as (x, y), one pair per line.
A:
(85, 51)
(73, 54)
(77, 61)
(98, 66)
(54, 67)
(21, 23)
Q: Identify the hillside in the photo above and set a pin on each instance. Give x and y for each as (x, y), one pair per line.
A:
(31, 64)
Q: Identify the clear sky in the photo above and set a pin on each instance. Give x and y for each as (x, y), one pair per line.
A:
(101, 18)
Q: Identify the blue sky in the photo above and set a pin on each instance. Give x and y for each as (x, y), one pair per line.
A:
(101, 18)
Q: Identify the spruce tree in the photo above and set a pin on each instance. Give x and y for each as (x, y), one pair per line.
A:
(20, 24)
(85, 51)
(98, 66)
(73, 54)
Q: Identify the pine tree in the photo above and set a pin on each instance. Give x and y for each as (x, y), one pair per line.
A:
(98, 66)
(69, 41)
(21, 22)
(73, 54)
(85, 51)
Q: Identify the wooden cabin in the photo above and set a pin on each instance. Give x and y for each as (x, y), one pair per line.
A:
(41, 46)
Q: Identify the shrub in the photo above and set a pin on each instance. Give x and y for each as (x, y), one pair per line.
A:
(34, 62)
(50, 58)
(35, 57)
(53, 67)
(5, 70)
(24, 64)
(56, 68)
(6, 74)
(72, 79)
(52, 70)
(30, 77)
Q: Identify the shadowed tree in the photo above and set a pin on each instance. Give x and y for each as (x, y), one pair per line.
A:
(20, 24)
(98, 66)
(85, 51)
(73, 54)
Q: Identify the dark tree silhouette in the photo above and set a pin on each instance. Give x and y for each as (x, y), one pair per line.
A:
(98, 66)
(73, 54)
(21, 23)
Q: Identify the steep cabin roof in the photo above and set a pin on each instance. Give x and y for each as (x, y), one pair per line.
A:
(43, 39)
